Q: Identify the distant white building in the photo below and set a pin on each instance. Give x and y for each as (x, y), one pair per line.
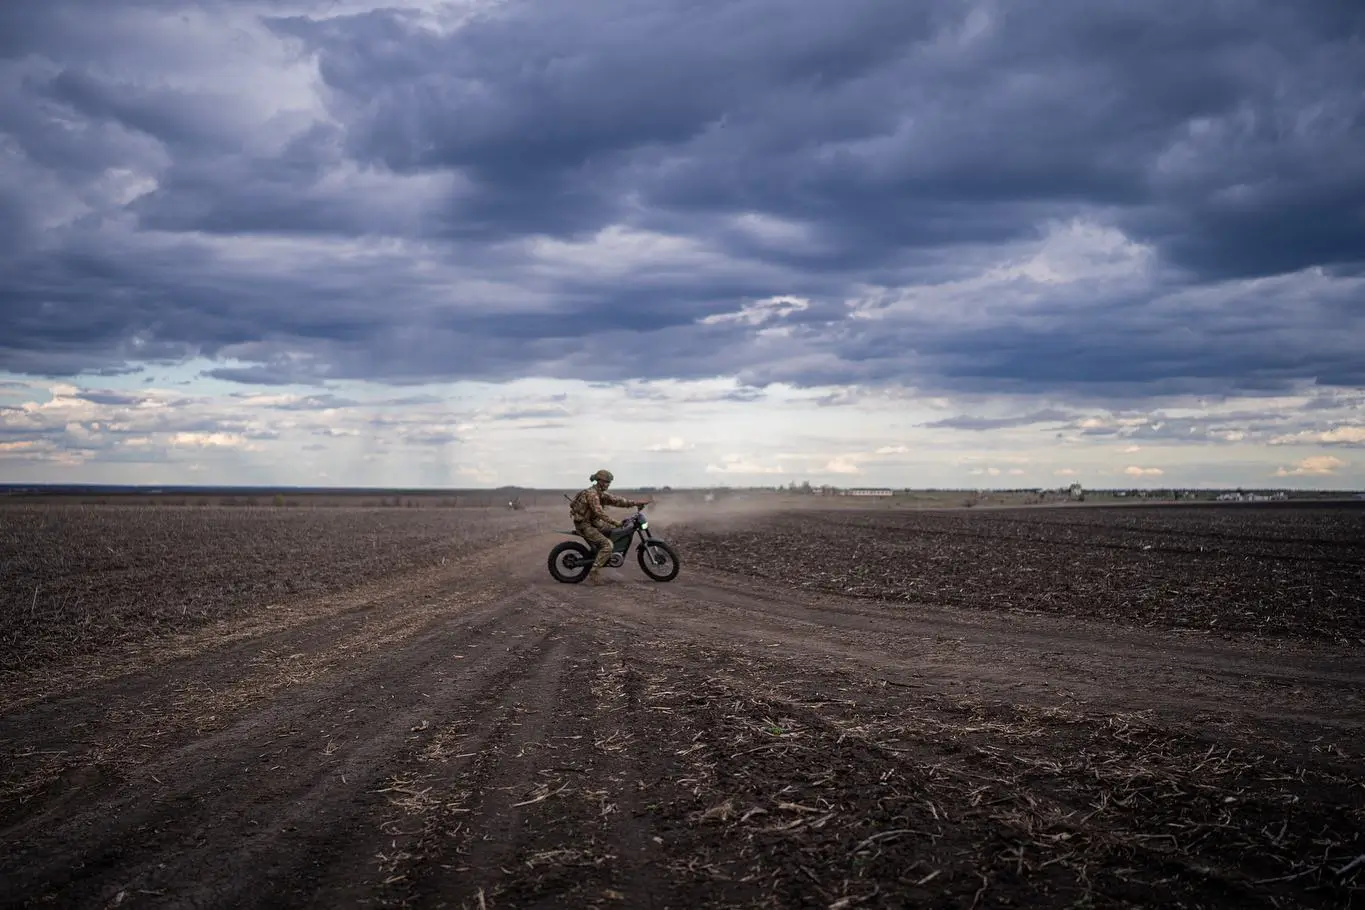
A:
(868, 491)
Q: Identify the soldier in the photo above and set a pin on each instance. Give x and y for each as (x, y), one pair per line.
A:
(589, 518)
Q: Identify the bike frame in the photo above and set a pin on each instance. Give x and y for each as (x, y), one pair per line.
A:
(572, 557)
(620, 542)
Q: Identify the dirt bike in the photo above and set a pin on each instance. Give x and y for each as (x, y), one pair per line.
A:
(571, 560)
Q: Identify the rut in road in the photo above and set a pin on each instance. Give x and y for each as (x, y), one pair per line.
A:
(480, 736)
(295, 761)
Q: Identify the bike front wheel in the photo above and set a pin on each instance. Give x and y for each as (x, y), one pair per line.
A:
(659, 560)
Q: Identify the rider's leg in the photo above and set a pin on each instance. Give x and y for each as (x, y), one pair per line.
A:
(603, 544)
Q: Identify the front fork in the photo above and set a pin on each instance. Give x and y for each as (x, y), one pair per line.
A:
(655, 558)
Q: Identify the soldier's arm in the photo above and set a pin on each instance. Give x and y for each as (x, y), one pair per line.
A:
(611, 499)
(595, 508)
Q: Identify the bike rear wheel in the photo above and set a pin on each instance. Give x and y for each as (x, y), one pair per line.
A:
(570, 562)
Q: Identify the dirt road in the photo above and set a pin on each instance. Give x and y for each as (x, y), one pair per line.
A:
(480, 736)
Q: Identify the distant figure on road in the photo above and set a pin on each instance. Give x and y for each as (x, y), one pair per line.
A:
(589, 518)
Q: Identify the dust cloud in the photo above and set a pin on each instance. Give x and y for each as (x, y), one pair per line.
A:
(724, 514)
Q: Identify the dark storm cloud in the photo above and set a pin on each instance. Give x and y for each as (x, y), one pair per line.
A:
(171, 190)
(267, 374)
(531, 414)
(965, 422)
(404, 401)
(96, 396)
(868, 120)
(742, 395)
(429, 437)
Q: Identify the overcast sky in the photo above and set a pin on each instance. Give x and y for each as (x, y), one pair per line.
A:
(698, 242)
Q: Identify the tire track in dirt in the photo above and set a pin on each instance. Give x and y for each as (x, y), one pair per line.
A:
(493, 739)
(358, 867)
(120, 720)
(984, 774)
(483, 799)
(213, 654)
(543, 809)
(172, 726)
(1045, 661)
(1093, 637)
(278, 626)
(293, 771)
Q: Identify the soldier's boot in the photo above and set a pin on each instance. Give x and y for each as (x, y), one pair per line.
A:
(595, 576)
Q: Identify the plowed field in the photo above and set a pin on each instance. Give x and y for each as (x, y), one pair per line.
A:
(817, 713)
(1269, 571)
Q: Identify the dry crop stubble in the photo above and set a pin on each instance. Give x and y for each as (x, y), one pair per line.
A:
(78, 578)
(1296, 573)
(477, 735)
(832, 784)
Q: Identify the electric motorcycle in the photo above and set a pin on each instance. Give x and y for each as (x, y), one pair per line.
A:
(571, 560)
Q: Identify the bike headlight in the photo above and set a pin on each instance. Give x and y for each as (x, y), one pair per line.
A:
(643, 525)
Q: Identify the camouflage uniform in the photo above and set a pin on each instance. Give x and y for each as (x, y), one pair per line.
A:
(589, 518)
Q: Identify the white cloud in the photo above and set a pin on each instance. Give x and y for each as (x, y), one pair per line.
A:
(267, 399)
(760, 311)
(512, 433)
(212, 440)
(1315, 465)
(1135, 471)
(841, 466)
(43, 451)
(740, 464)
(1348, 435)
(1095, 258)
(1079, 250)
(774, 232)
(1344, 434)
(672, 444)
(617, 251)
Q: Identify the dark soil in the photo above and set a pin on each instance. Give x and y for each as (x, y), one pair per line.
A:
(76, 578)
(1285, 570)
(474, 734)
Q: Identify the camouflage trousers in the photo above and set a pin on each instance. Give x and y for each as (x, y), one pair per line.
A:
(596, 538)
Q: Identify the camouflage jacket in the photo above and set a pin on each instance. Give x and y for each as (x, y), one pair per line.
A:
(587, 506)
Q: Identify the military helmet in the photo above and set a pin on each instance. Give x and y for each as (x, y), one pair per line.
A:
(603, 475)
